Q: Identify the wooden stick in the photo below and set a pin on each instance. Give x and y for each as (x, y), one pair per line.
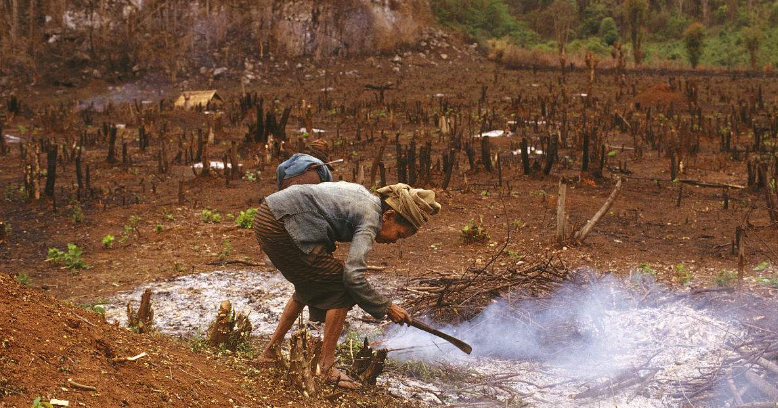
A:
(560, 211)
(583, 232)
(81, 386)
(133, 358)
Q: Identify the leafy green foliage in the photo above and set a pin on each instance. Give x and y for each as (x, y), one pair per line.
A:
(108, 241)
(246, 218)
(71, 258)
(609, 31)
(210, 216)
(483, 19)
(78, 213)
(683, 274)
(473, 233)
(23, 278)
(37, 403)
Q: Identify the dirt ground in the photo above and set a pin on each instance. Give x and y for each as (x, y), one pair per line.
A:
(48, 341)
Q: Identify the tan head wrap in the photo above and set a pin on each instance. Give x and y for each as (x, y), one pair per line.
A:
(319, 149)
(414, 204)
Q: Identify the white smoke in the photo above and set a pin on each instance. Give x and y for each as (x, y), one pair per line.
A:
(586, 334)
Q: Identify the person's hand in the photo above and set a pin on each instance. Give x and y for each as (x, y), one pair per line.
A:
(398, 315)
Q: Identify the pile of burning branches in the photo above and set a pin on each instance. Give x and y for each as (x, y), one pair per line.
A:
(458, 297)
(749, 379)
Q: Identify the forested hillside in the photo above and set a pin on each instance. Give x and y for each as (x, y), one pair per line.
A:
(674, 33)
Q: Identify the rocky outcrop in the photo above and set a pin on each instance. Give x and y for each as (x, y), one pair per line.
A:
(344, 27)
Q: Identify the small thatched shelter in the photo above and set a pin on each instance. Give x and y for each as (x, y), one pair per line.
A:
(209, 100)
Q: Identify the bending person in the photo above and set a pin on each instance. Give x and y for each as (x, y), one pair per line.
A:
(298, 228)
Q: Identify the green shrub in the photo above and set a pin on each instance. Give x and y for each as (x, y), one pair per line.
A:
(78, 213)
(210, 217)
(693, 39)
(23, 278)
(472, 233)
(609, 31)
(108, 241)
(246, 218)
(71, 258)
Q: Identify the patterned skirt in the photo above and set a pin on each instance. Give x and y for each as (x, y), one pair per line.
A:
(317, 277)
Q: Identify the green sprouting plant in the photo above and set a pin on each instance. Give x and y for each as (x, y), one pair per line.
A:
(23, 278)
(762, 266)
(472, 233)
(158, 228)
(168, 216)
(209, 216)
(126, 234)
(37, 403)
(78, 213)
(71, 258)
(485, 193)
(514, 255)
(772, 281)
(95, 306)
(518, 224)
(226, 251)
(684, 276)
(647, 269)
(134, 220)
(725, 278)
(251, 176)
(246, 218)
(108, 241)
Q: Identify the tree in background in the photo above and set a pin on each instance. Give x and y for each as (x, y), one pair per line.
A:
(609, 32)
(636, 12)
(564, 14)
(693, 39)
(752, 40)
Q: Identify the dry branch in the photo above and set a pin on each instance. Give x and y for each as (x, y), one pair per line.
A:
(580, 236)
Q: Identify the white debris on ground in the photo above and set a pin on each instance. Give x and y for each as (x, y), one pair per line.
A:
(187, 305)
(493, 133)
(546, 352)
(315, 131)
(216, 165)
(12, 139)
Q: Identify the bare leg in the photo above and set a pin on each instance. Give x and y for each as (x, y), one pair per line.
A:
(333, 326)
(292, 309)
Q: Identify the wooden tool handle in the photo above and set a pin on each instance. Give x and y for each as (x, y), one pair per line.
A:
(451, 339)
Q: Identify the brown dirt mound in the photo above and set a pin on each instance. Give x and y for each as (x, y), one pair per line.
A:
(44, 343)
(660, 95)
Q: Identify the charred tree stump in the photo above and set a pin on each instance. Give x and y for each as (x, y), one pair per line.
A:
(51, 169)
(402, 164)
(111, 133)
(525, 156)
(561, 217)
(377, 160)
(369, 364)
(79, 175)
(585, 160)
(125, 158)
(550, 155)
(206, 171)
(410, 159)
(162, 163)
(470, 152)
(200, 146)
(486, 154)
(3, 144)
(382, 172)
(229, 330)
(89, 182)
(448, 168)
(142, 320)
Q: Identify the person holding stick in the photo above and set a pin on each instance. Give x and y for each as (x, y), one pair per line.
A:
(298, 228)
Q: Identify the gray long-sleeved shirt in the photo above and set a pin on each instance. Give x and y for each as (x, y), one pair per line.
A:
(326, 213)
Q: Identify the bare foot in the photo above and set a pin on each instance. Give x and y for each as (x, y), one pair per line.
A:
(264, 359)
(342, 380)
